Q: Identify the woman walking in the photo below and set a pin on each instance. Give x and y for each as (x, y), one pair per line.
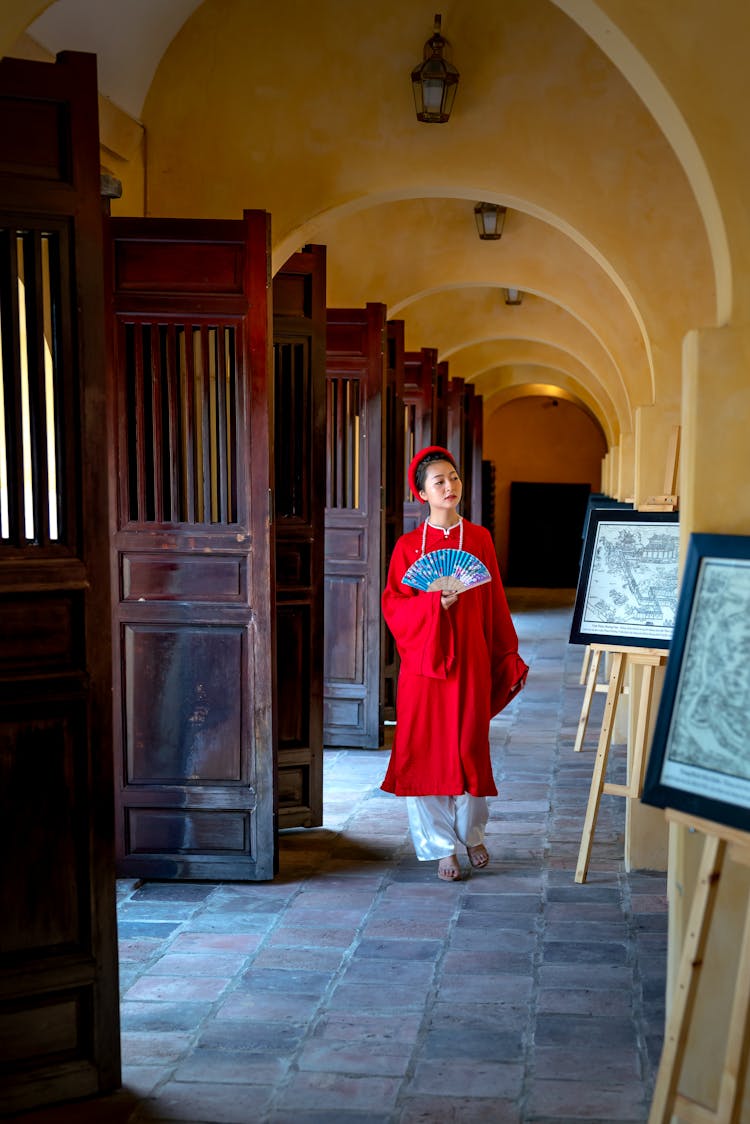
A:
(459, 666)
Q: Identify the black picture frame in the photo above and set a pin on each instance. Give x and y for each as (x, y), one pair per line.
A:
(599, 500)
(699, 761)
(627, 588)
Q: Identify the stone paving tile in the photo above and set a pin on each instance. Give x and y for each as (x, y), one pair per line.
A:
(399, 973)
(567, 1100)
(414, 927)
(584, 1031)
(199, 1103)
(463, 1110)
(241, 943)
(509, 988)
(253, 1036)
(212, 963)
(336, 1092)
(177, 989)
(152, 1047)
(267, 1007)
(475, 1043)
(585, 952)
(143, 1079)
(296, 936)
(584, 1001)
(593, 976)
(231, 1067)
(136, 1015)
(328, 959)
(158, 911)
(370, 1028)
(171, 892)
(474, 1079)
(352, 1057)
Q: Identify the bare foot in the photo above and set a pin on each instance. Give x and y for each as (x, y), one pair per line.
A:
(478, 856)
(449, 870)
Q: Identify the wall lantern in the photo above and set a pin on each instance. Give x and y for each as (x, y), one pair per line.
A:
(512, 296)
(434, 81)
(490, 218)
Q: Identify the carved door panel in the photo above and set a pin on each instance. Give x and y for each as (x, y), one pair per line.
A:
(192, 553)
(355, 383)
(394, 496)
(299, 329)
(420, 380)
(59, 1016)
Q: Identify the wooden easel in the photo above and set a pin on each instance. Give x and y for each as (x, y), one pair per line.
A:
(667, 1100)
(591, 664)
(623, 656)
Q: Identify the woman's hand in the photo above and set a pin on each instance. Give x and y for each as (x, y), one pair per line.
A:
(447, 599)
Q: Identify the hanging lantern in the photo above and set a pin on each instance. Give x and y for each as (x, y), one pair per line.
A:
(490, 218)
(435, 81)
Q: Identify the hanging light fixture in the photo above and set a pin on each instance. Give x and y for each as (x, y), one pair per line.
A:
(490, 218)
(512, 296)
(435, 81)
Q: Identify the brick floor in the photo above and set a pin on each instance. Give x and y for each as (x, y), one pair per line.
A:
(357, 989)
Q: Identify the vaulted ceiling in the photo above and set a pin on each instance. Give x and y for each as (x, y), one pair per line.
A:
(305, 110)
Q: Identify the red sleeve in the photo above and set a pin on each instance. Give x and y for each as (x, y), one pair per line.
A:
(423, 631)
(508, 669)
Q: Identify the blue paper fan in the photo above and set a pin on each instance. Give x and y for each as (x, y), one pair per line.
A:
(451, 571)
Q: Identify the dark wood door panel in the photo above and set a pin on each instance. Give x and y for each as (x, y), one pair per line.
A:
(394, 469)
(299, 326)
(59, 1018)
(192, 553)
(420, 388)
(355, 524)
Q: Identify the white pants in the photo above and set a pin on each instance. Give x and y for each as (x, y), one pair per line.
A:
(439, 825)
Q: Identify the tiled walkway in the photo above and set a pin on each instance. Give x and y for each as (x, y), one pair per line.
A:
(358, 988)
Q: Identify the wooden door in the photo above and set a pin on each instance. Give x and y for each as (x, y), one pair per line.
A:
(59, 1017)
(541, 514)
(420, 379)
(355, 382)
(394, 496)
(192, 551)
(299, 334)
(474, 414)
(440, 404)
(455, 427)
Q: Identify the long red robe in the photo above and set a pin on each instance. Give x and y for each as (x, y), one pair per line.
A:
(459, 666)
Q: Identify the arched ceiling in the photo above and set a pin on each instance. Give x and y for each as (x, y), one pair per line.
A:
(305, 110)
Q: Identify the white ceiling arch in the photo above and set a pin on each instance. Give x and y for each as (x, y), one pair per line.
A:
(129, 39)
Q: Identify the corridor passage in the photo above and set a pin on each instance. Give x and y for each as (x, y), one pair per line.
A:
(359, 988)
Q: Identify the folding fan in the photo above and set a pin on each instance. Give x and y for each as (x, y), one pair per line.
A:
(451, 571)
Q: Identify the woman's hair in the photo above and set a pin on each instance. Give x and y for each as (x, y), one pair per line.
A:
(430, 458)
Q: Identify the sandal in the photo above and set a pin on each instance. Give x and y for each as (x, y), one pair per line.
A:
(478, 856)
(449, 870)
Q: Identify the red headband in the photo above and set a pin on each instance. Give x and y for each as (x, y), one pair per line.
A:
(417, 461)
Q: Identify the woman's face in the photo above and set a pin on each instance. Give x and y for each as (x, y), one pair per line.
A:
(442, 487)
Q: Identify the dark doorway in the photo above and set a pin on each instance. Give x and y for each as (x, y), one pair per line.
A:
(546, 522)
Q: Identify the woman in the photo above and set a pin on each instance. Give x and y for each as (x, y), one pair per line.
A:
(459, 666)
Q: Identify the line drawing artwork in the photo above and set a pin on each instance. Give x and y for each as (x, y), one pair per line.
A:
(708, 747)
(632, 587)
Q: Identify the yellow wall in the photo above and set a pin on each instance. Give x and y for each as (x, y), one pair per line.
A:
(530, 440)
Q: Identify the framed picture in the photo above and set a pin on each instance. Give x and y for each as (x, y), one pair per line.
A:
(627, 589)
(700, 754)
(598, 500)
